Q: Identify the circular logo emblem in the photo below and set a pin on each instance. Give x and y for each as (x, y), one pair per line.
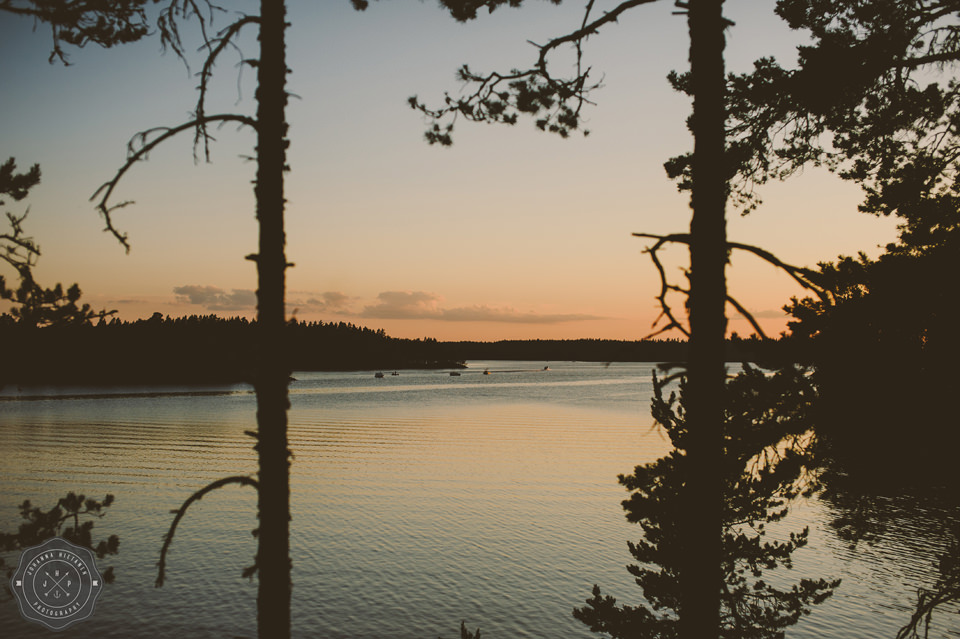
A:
(56, 583)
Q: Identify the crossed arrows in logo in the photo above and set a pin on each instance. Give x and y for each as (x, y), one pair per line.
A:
(56, 585)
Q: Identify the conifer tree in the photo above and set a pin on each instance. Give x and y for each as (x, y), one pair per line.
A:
(556, 104)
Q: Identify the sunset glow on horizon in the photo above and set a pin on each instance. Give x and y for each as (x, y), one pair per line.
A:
(509, 234)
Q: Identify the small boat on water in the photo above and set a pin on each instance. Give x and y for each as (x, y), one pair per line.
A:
(486, 371)
(394, 374)
(378, 375)
(454, 374)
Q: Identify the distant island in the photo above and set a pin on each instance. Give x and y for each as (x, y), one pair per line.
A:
(209, 349)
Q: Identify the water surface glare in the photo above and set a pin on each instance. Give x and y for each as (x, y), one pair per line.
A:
(418, 500)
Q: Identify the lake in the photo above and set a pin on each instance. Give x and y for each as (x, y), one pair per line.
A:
(418, 500)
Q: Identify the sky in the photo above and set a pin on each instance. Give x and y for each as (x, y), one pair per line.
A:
(511, 233)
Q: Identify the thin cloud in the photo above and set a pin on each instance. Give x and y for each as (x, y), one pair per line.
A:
(510, 315)
(404, 305)
(216, 299)
(423, 305)
(770, 314)
(329, 301)
(128, 301)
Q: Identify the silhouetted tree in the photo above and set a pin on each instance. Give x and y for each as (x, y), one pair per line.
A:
(466, 634)
(875, 98)
(272, 374)
(77, 22)
(73, 22)
(272, 370)
(767, 462)
(892, 311)
(556, 104)
(702, 507)
(32, 305)
(40, 525)
(273, 554)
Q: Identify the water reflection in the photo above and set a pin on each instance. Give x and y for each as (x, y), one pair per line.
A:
(493, 501)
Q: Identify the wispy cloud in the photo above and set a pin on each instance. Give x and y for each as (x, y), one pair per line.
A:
(770, 314)
(326, 302)
(404, 305)
(216, 299)
(392, 305)
(127, 301)
(423, 305)
(511, 315)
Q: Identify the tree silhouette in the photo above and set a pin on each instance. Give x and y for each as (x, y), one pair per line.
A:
(874, 98)
(556, 104)
(33, 305)
(39, 525)
(767, 461)
(892, 309)
(272, 373)
(272, 369)
(73, 22)
(77, 22)
(702, 507)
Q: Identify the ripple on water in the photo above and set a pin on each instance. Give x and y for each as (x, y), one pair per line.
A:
(486, 498)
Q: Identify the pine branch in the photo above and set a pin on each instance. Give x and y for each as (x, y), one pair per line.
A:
(557, 102)
(243, 480)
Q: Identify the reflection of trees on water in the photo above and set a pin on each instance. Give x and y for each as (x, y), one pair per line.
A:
(942, 598)
(773, 457)
(912, 536)
(767, 463)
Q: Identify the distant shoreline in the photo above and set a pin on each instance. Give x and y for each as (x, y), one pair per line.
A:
(203, 350)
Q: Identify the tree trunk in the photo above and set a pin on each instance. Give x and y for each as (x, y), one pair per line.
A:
(273, 553)
(700, 574)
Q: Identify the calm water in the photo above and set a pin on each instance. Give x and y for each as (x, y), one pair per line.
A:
(418, 500)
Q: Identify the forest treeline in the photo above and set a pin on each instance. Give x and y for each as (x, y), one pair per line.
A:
(195, 349)
(200, 349)
(738, 349)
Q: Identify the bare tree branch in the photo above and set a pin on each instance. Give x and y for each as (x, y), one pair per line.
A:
(216, 46)
(182, 10)
(137, 149)
(665, 289)
(803, 276)
(588, 29)
(243, 480)
(747, 315)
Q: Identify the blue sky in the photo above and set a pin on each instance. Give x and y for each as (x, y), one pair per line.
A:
(511, 233)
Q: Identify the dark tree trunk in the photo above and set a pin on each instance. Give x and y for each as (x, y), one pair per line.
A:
(273, 554)
(702, 509)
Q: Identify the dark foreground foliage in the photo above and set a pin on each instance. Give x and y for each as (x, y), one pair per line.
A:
(886, 350)
(72, 518)
(767, 462)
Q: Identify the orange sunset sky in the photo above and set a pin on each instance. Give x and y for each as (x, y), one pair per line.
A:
(511, 233)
